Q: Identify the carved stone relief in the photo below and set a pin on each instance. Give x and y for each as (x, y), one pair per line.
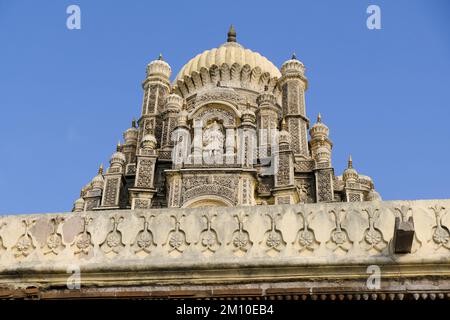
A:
(113, 245)
(373, 239)
(176, 239)
(54, 244)
(25, 245)
(306, 239)
(339, 241)
(441, 234)
(83, 244)
(240, 239)
(273, 238)
(144, 242)
(208, 239)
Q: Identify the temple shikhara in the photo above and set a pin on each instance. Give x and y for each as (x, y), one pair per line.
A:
(230, 130)
(222, 189)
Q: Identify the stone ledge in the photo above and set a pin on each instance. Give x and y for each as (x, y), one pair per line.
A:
(225, 246)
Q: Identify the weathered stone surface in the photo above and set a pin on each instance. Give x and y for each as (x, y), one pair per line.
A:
(267, 246)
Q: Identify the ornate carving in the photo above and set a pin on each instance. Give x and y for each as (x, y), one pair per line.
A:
(208, 237)
(145, 174)
(304, 190)
(218, 95)
(339, 237)
(221, 185)
(373, 237)
(273, 238)
(240, 238)
(305, 239)
(111, 191)
(24, 245)
(83, 244)
(324, 186)
(144, 242)
(354, 197)
(304, 166)
(141, 204)
(264, 185)
(213, 139)
(441, 234)
(131, 169)
(176, 239)
(284, 200)
(112, 245)
(295, 134)
(54, 244)
(283, 172)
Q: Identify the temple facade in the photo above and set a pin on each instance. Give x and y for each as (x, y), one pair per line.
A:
(263, 215)
(230, 130)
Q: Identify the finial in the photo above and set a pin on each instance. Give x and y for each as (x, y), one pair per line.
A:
(160, 57)
(350, 162)
(100, 169)
(133, 122)
(119, 145)
(231, 34)
(294, 56)
(283, 124)
(319, 118)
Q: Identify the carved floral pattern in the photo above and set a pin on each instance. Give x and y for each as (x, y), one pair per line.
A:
(176, 239)
(83, 241)
(113, 244)
(240, 239)
(441, 234)
(208, 237)
(273, 238)
(24, 245)
(339, 237)
(54, 244)
(373, 237)
(306, 239)
(144, 240)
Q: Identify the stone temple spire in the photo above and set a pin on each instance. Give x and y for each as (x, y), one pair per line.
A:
(231, 34)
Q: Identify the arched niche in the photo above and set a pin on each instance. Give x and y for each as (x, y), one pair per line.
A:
(225, 112)
(207, 201)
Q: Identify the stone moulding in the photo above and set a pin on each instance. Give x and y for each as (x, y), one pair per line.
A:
(427, 267)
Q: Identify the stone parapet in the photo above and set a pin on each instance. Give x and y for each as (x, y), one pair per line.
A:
(264, 248)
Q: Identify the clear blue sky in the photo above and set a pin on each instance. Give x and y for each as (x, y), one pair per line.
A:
(66, 96)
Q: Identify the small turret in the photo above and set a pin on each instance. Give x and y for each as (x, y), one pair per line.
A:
(350, 174)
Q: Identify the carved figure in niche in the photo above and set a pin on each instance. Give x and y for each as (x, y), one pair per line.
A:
(213, 138)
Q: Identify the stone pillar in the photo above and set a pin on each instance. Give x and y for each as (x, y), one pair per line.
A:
(198, 142)
(268, 120)
(284, 187)
(172, 107)
(247, 156)
(156, 87)
(113, 192)
(130, 137)
(174, 188)
(293, 85)
(144, 185)
(182, 141)
(229, 145)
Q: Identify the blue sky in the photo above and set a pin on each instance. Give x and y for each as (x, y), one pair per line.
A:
(66, 96)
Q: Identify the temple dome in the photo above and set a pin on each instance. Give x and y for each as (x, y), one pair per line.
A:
(230, 61)
(228, 53)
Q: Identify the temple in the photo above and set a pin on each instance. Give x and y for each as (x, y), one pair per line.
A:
(230, 130)
(218, 192)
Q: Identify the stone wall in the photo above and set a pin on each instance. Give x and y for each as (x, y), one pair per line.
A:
(284, 246)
